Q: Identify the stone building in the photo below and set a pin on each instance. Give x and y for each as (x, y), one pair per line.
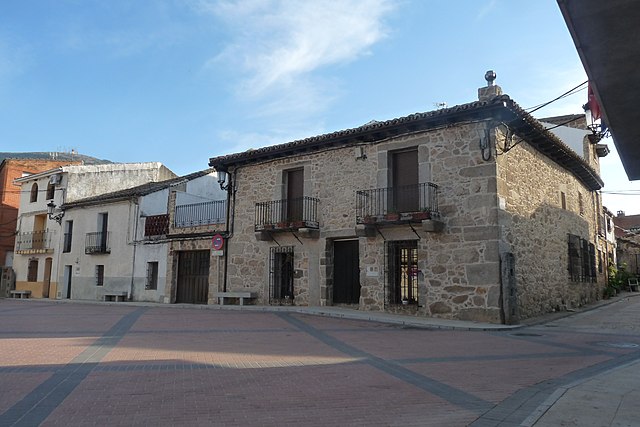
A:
(627, 231)
(475, 212)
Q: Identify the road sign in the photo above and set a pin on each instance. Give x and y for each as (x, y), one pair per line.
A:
(217, 242)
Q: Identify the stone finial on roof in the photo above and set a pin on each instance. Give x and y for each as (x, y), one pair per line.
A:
(490, 91)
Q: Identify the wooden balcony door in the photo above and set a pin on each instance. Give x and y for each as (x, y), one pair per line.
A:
(295, 194)
(405, 196)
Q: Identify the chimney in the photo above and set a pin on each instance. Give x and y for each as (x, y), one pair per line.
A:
(620, 213)
(490, 91)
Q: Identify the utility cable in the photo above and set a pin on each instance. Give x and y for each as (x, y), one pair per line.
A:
(567, 93)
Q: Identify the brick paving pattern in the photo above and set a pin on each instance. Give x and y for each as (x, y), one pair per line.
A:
(117, 365)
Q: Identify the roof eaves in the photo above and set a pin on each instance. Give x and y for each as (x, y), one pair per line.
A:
(371, 132)
(553, 147)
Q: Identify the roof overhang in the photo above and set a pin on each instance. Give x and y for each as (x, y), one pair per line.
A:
(500, 109)
(607, 38)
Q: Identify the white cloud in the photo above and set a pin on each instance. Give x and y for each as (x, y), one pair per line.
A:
(276, 43)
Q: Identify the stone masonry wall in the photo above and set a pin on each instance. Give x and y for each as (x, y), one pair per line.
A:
(534, 227)
(459, 267)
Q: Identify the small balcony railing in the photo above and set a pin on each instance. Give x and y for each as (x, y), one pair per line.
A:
(204, 213)
(97, 243)
(34, 240)
(156, 225)
(410, 203)
(287, 214)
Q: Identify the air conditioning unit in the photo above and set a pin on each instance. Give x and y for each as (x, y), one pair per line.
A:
(55, 179)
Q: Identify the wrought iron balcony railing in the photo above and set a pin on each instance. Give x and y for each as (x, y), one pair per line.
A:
(34, 240)
(287, 214)
(97, 243)
(411, 203)
(204, 213)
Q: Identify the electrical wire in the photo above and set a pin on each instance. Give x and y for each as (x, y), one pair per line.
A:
(567, 93)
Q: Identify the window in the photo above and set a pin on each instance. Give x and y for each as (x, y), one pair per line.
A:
(51, 189)
(34, 193)
(68, 236)
(152, 275)
(295, 194)
(582, 259)
(563, 200)
(281, 275)
(403, 271)
(32, 271)
(404, 179)
(99, 275)
(600, 256)
(580, 204)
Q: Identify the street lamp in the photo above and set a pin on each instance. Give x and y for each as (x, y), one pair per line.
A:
(53, 214)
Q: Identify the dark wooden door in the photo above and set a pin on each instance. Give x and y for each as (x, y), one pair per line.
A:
(405, 197)
(193, 277)
(346, 272)
(295, 194)
(104, 227)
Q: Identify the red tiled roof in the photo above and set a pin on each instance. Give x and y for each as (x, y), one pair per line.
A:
(501, 108)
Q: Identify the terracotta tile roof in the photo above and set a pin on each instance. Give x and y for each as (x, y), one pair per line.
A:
(501, 108)
(626, 223)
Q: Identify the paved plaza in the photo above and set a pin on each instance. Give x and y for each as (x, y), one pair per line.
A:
(76, 364)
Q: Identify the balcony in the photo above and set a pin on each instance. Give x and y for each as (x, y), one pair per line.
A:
(156, 225)
(199, 214)
(97, 243)
(397, 205)
(33, 242)
(287, 215)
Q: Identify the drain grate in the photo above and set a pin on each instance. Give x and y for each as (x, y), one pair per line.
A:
(618, 344)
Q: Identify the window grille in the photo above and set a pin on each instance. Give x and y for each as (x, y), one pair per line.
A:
(402, 274)
(582, 259)
(99, 275)
(281, 275)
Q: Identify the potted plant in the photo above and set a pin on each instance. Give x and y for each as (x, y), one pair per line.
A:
(369, 219)
(392, 215)
(423, 214)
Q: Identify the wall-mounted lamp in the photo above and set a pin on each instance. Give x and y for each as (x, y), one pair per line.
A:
(222, 178)
(53, 214)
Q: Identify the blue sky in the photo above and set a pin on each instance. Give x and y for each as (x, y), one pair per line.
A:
(179, 81)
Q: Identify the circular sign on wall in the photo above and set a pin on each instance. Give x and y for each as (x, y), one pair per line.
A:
(217, 242)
